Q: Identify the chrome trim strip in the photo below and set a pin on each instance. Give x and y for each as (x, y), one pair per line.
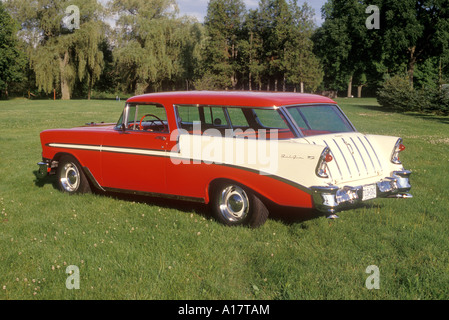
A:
(92, 179)
(369, 156)
(344, 158)
(380, 165)
(144, 152)
(363, 160)
(352, 154)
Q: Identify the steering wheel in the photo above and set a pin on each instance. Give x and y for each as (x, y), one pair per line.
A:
(151, 115)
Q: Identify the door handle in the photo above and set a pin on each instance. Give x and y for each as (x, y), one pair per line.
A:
(161, 138)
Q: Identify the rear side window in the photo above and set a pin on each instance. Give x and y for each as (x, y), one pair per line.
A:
(230, 120)
(203, 117)
(270, 118)
(238, 118)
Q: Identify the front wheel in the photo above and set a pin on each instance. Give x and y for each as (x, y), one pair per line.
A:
(71, 178)
(233, 205)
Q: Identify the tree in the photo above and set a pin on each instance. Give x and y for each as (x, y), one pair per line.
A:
(413, 31)
(302, 66)
(251, 50)
(223, 27)
(152, 43)
(276, 20)
(12, 59)
(344, 44)
(60, 54)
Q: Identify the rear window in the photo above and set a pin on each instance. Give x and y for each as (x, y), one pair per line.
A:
(320, 119)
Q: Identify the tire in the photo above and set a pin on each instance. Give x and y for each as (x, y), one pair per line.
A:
(234, 205)
(71, 177)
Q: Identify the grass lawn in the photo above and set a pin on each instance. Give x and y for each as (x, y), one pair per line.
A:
(137, 248)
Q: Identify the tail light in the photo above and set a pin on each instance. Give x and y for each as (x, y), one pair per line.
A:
(398, 148)
(322, 168)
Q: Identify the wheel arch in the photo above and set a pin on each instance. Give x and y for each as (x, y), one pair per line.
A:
(215, 183)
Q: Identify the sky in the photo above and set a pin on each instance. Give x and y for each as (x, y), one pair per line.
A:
(198, 8)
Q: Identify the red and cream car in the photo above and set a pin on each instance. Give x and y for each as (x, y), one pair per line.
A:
(237, 151)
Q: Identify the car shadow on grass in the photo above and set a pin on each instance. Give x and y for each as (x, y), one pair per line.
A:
(277, 213)
(286, 215)
(41, 182)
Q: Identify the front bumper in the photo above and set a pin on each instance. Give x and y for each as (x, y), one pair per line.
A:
(332, 199)
(46, 167)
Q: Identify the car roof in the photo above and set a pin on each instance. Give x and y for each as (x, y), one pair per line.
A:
(231, 98)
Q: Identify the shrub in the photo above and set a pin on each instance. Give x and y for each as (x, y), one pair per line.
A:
(397, 94)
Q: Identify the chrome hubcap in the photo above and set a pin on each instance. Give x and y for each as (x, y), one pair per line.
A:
(70, 177)
(234, 204)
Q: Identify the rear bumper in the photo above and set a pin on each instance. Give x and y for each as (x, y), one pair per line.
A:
(332, 199)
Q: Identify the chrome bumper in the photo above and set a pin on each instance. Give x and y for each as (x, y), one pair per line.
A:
(46, 167)
(332, 199)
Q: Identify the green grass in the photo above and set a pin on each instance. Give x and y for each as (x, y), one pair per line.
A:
(137, 248)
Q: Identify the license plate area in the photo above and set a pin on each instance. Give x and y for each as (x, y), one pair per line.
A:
(369, 192)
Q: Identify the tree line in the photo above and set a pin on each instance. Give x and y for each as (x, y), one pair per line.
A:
(138, 46)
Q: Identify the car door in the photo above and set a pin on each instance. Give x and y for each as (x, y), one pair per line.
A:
(134, 156)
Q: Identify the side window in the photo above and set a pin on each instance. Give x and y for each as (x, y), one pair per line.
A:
(215, 117)
(193, 117)
(238, 118)
(148, 118)
(270, 118)
(188, 114)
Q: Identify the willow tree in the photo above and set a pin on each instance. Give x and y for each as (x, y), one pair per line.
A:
(150, 42)
(62, 45)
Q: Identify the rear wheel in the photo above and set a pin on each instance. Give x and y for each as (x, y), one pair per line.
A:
(234, 205)
(71, 178)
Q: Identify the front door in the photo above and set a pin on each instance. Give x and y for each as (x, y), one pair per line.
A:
(134, 156)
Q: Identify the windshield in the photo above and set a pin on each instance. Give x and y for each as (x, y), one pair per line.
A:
(320, 119)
